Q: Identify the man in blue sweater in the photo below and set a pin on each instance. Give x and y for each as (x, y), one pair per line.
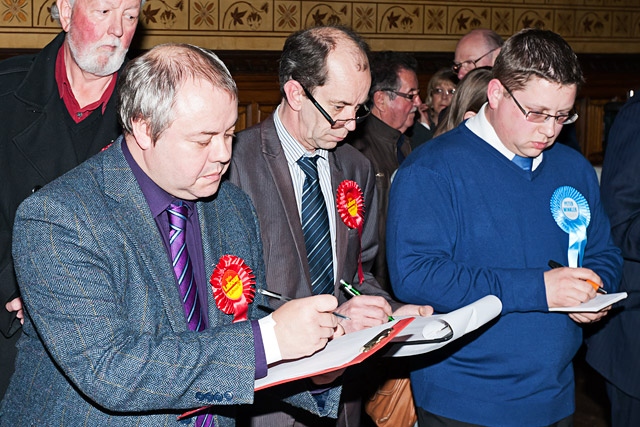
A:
(481, 210)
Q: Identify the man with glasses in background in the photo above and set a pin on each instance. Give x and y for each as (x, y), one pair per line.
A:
(394, 98)
(315, 198)
(477, 48)
(482, 210)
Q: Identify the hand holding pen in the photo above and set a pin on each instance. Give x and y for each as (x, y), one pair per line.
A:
(598, 288)
(349, 289)
(567, 287)
(304, 325)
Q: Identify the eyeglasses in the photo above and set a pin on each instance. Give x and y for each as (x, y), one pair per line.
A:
(445, 92)
(361, 113)
(536, 117)
(470, 63)
(405, 95)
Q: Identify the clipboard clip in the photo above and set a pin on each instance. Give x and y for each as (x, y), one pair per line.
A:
(441, 335)
(376, 340)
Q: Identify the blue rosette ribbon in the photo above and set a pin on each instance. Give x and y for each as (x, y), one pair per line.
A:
(571, 212)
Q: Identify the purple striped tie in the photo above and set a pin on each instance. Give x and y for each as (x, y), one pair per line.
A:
(182, 266)
(184, 275)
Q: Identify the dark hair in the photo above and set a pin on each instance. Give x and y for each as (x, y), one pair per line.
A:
(470, 95)
(148, 86)
(304, 56)
(385, 67)
(537, 53)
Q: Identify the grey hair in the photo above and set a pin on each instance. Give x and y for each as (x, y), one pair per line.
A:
(148, 87)
(55, 12)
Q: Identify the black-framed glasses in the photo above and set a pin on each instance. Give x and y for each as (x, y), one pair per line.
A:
(444, 92)
(404, 95)
(361, 113)
(470, 63)
(536, 117)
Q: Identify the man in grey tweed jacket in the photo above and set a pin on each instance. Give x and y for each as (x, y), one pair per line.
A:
(106, 341)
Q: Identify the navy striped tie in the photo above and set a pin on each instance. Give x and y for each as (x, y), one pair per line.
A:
(182, 267)
(315, 226)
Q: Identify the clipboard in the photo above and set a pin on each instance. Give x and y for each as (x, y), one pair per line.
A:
(340, 353)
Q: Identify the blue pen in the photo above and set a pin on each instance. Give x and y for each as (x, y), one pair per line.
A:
(354, 293)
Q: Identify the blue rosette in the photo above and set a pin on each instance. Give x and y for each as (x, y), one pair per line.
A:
(571, 212)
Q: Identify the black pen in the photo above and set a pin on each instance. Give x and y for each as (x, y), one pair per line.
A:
(599, 289)
(354, 292)
(284, 298)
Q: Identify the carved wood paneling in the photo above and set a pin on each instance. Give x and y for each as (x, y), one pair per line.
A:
(591, 26)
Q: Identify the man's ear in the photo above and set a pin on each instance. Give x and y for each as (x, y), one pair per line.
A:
(65, 10)
(495, 93)
(469, 114)
(379, 100)
(142, 134)
(294, 94)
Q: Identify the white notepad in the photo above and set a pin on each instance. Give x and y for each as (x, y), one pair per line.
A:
(598, 303)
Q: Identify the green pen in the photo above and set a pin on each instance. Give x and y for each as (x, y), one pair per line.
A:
(354, 293)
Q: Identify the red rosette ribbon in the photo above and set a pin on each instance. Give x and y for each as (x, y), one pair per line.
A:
(350, 205)
(233, 286)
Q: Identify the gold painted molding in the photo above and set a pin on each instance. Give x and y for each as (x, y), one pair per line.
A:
(590, 26)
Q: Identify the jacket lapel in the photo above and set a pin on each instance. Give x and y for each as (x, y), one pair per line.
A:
(342, 232)
(279, 169)
(132, 214)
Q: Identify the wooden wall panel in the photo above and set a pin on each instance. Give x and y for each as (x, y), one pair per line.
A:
(591, 26)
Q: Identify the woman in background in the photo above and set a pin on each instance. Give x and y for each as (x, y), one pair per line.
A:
(440, 90)
(470, 96)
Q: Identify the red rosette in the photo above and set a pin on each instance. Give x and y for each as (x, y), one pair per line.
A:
(233, 286)
(350, 205)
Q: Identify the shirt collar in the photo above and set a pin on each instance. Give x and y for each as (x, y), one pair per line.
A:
(479, 125)
(66, 93)
(157, 198)
(293, 150)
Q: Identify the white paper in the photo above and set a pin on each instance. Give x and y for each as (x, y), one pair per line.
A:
(462, 321)
(594, 305)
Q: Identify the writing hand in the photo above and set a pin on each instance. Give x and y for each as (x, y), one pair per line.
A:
(566, 287)
(364, 311)
(305, 325)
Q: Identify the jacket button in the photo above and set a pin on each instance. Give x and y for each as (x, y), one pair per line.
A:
(36, 188)
(228, 396)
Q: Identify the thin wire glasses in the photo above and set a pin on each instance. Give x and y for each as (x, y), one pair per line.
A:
(404, 95)
(361, 113)
(536, 117)
(443, 92)
(470, 63)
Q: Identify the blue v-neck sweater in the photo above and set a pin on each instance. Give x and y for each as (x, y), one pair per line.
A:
(467, 222)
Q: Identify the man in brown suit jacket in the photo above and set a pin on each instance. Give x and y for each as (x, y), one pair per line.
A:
(324, 80)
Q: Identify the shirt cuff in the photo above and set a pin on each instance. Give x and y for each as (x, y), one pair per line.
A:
(269, 339)
(261, 360)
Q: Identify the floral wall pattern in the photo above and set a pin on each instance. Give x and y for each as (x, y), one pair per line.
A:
(591, 26)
